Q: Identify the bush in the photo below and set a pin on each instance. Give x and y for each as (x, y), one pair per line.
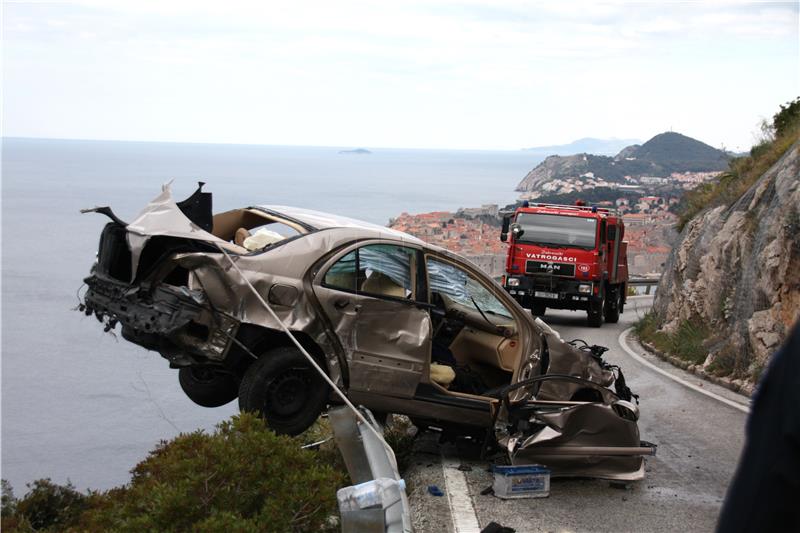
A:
(241, 478)
(46, 507)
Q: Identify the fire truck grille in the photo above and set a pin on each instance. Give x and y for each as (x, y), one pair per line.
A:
(544, 267)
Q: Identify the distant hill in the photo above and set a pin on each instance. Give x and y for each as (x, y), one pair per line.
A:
(678, 153)
(659, 157)
(588, 145)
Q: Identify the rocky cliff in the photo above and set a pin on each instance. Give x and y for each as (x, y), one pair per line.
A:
(736, 270)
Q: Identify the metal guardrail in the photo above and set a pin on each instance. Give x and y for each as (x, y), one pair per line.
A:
(643, 281)
(649, 283)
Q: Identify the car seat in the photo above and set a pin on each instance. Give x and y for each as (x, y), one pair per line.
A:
(382, 284)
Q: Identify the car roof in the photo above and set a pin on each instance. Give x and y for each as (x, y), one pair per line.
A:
(322, 220)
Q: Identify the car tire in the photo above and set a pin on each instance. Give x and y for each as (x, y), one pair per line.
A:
(612, 309)
(283, 388)
(538, 309)
(206, 387)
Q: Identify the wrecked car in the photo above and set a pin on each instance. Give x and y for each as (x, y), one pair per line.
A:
(398, 325)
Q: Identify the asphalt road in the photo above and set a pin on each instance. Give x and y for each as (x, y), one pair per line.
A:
(699, 441)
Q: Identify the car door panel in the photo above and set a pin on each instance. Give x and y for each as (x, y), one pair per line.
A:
(386, 338)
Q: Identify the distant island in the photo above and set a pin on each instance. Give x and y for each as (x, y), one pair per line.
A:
(355, 151)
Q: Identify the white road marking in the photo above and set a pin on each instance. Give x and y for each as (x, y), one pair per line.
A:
(651, 366)
(461, 509)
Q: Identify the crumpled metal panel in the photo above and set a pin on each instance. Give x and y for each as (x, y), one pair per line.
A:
(587, 439)
(566, 359)
(162, 216)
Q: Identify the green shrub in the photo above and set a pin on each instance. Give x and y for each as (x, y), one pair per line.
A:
(46, 507)
(242, 478)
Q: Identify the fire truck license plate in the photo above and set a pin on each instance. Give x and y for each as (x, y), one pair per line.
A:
(542, 294)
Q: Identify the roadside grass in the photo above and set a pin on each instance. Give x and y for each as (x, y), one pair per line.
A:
(687, 343)
(743, 172)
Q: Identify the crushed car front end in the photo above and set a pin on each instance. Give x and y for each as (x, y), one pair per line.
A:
(138, 284)
(172, 319)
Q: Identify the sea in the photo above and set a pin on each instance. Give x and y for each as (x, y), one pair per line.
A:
(85, 406)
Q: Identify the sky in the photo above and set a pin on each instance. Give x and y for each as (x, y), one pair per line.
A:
(501, 74)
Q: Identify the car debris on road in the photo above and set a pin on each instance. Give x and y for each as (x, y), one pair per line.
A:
(396, 325)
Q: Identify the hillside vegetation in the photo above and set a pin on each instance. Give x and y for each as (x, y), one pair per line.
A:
(240, 478)
(730, 291)
(743, 172)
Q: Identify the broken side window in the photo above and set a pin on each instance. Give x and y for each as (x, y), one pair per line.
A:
(462, 288)
(375, 269)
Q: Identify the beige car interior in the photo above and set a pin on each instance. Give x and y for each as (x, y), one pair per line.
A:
(236, 226)
(488, 349)
(381, 284)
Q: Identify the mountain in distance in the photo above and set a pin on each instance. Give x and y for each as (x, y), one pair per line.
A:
(659, 157)
(587, 145)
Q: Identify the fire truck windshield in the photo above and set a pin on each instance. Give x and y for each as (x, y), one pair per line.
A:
(578, 232)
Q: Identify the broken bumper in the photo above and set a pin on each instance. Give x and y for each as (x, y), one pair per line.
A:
(175, 321)
(598, 439)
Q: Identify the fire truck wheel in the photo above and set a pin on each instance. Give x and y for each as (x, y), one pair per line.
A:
(538, 309)
(613, 307)
(595, 313)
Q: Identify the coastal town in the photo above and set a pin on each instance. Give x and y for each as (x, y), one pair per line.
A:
(475, 233)
(675, 183)
(643, 183)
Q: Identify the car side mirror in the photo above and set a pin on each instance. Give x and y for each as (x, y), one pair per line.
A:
(517, 230)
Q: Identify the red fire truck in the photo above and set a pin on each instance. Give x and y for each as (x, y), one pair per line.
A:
(567, 257)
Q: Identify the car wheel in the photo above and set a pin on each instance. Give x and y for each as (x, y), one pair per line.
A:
(284, 389)
(538, 309)
(206, 387)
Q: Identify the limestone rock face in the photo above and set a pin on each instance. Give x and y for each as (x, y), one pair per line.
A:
(738, 269)
(554, 166)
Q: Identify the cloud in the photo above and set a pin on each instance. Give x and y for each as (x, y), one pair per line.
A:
(371, 66)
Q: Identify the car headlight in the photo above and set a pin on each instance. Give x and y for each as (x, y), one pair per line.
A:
(513, 282)
(585, 288)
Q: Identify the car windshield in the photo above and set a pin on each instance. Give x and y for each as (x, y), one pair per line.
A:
(463, 288)
(557, 230)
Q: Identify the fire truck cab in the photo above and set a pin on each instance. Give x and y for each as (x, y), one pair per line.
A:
(567, 257)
